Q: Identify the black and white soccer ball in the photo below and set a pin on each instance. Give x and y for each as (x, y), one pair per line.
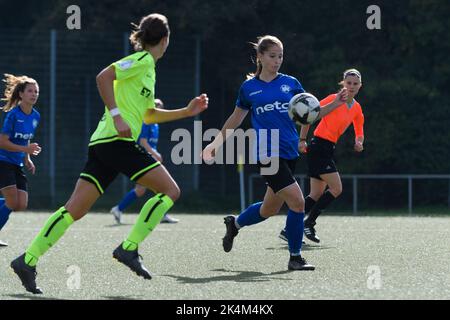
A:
(304, 108)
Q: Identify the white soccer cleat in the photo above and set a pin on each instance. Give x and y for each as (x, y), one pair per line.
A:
(117, 214)
(3, 244)
(169, 219)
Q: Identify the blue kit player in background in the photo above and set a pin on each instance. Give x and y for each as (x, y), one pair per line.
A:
(266, 95)
(148, 139)
(18, 129)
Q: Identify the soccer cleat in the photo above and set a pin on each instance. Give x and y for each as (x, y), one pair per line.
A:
(117, 214)
(310, 233)
(169, 219)
(283, 236)
(132, 260)
(3, 244)
(299, 263)
(231, 232)
(26, 274)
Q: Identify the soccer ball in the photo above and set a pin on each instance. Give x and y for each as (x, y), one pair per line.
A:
(304, 108)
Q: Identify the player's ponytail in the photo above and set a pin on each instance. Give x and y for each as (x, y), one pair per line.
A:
(150, 31)
(14, 85)
(264, 44)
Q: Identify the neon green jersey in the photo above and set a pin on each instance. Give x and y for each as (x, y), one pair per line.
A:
(134, 91)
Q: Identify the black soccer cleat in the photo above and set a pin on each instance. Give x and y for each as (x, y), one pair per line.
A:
(299, 263)
(310, 233)
(283, 236)
(132, 260)
(231, 232)
(26, 274)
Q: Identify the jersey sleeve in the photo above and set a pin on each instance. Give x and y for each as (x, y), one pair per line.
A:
(242, 101)
(8, 124)
(358, 124)
(327, 100)
(129, 67)
(298, 88)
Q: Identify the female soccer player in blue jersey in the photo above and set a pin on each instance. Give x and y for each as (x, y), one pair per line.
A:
(148, 139)
(266, 95)
(18, 129)
(127, 88)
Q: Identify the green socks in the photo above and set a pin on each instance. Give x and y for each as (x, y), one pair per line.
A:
(151, 214)
(54, 228)
(149, 217)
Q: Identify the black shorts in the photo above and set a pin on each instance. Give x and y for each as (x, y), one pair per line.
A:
(107, 160)
(12, 175)
(284, 176)
(320, 157)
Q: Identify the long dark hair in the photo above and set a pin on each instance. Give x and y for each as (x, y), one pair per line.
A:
(150, 31)
(14, 85)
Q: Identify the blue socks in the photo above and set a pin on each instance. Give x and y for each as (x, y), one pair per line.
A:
(294, 229)
(250, 215)
(127, 200)
(4, 214)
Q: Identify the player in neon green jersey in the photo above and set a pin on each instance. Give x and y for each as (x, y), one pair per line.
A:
(127, 88)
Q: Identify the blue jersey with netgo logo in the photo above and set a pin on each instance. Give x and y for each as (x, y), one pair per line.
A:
(268, 103)
(20, 128)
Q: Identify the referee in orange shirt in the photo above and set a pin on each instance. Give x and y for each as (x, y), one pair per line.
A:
(321, 167)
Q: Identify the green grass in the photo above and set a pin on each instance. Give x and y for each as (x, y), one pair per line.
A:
(412, 254)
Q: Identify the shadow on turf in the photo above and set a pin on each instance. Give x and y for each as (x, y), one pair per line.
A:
(29, 296)
(120, 298)
(115, 225)
(305, 247)
(238, 276)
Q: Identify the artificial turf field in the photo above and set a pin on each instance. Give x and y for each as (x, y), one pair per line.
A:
(358, 258)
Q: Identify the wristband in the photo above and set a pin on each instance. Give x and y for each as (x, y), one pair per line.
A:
(303, 139)
(114, 112)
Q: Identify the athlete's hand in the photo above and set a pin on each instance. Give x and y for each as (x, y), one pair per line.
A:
(303, 146)
(197, 105)
(122, 127)
(358, 146)
(342, 96)
(208, 153)
(33, 149)
(30, 165)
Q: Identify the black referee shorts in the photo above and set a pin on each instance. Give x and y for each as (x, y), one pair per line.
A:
(320, 157)
(107, 160)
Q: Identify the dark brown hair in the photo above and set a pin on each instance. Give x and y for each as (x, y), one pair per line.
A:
(150, 31)
(264, 43)
(14, 85)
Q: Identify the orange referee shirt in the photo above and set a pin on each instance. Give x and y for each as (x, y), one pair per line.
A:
(334, 124)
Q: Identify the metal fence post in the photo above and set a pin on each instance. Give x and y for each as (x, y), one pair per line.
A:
(410, 196)
(52, 120)
(126, 52)
(355, 195)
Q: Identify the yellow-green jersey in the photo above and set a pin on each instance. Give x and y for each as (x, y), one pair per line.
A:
(134, 91)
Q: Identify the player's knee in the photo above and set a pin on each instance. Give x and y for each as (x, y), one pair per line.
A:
(315, 195)
(336, 191)
(13, 204)
(140, 191)
(268, 212)
(173, 193)
(297, 205)
(21, 207)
